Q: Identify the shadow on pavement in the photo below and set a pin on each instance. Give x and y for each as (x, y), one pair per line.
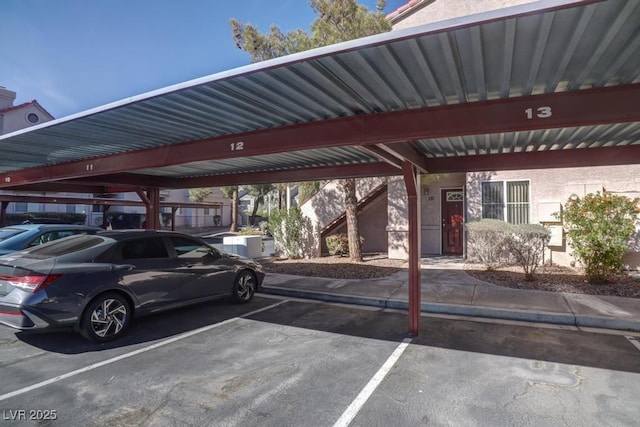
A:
(598, 350)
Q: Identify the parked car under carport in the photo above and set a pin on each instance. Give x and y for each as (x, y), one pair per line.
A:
(97, 283)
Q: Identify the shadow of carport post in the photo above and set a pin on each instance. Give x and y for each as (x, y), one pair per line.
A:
(412, 184)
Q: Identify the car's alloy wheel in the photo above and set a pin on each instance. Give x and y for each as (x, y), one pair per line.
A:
(244, 287)
(105, 318)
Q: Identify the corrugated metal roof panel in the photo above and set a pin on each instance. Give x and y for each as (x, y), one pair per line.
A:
(489, 56)
(270, 162)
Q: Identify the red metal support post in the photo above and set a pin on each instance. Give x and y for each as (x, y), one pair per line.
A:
(153, 209)
(105, 222)
(415, 288)
(151, 199)
(173, 218)
(3, 213)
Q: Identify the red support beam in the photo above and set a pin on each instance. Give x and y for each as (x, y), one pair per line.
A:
(614, 104)
(381, 155)
(626, 155)
(415, 286)
(406, 151)
(71, 187)
(290, 175)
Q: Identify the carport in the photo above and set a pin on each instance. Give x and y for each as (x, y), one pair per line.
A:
(544, 85)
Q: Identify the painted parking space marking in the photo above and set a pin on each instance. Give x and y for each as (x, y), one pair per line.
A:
(353, 409)
(133, 353)
(634, 341)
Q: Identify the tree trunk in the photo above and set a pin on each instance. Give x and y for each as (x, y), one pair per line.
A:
(351, 206)
(234, 211)
(256, 204)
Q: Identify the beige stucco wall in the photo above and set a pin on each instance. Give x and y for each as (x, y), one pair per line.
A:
(372, 221)
(440, 10)
(17, 119)
(430, 218)
(328, 204)
(397, 213)
(550, 188)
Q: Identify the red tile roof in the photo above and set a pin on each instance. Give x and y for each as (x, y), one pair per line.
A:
(403, 9)
(26, 104)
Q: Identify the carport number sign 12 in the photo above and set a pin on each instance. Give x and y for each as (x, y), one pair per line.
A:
(237, 146)
(540, 112)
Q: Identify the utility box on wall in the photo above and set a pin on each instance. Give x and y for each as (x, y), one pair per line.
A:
(246, 246)
(557, 236)
(547, 211)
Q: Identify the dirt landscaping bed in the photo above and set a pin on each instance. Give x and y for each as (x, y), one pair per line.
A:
(556, 279)
(374, 266)
(548, 278)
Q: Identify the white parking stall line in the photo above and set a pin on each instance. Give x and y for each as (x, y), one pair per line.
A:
(350, 413)
(634, 341)
(131, 354)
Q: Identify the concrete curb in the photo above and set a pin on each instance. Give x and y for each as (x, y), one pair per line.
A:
(463, 310)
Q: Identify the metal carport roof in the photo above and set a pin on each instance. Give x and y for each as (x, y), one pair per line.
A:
(548, 84)
(544, 77)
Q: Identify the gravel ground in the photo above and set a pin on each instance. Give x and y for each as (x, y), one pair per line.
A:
(374, 266)
(548, 278)
(557, 279)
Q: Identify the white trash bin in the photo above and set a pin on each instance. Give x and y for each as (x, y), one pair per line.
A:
(246, 246)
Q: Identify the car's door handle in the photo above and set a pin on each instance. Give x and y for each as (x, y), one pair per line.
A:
(123, 267)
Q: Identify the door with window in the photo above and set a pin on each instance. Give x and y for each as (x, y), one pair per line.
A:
(452, 221)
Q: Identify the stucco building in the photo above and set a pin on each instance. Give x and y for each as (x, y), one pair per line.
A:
(448, 201)
(516, 196)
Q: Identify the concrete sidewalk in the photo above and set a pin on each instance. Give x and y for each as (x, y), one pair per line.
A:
(448, 289)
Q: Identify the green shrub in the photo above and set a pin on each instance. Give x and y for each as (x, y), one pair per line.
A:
(65, 217)
(599, 227)
(264, 227)
(497, 243)
(488, 240)
(292, 233)
(526, 243)
(249, 231)
(338, 244)
(307, 190)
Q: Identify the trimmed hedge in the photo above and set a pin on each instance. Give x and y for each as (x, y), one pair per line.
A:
(67, 218)
(496, 243)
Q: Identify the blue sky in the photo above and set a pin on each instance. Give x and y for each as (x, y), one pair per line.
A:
(72, 55)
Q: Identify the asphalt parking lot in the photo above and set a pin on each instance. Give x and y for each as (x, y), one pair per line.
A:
(281, 362)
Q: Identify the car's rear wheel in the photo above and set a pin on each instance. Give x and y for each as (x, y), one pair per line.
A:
(244, 287)
(106, 318)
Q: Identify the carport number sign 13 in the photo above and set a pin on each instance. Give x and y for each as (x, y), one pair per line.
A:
(540, 112)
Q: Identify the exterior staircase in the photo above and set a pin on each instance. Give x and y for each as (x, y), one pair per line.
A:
(326, 208)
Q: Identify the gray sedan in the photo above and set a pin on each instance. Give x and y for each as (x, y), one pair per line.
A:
(18, 237)
(98, 283)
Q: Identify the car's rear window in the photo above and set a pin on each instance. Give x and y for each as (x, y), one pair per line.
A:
(66, 246)
(10, 232)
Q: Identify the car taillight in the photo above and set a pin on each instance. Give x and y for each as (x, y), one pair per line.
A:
(31, 283)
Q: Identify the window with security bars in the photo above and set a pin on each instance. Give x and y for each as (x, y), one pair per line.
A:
(506, 200)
